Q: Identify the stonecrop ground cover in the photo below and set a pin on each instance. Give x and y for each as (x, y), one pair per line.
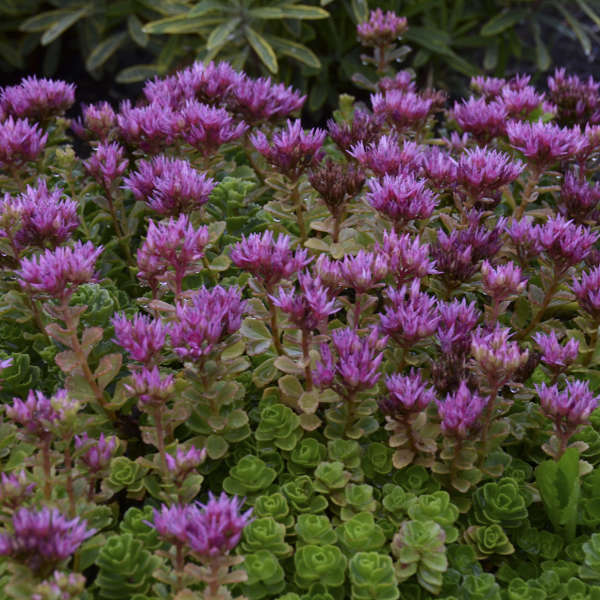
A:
(243, 359)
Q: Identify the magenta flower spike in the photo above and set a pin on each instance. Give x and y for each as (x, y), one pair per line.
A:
(58, 272)
(381, 29)
(502, 282)
(310, 306)
(38, 99)
(207, 128)
(410, 316)
(143, 337)
(461, 412)
(107, 163)
(291, 150)
(406, 257)
(482, 172)
(150, 128)
(579, 198)
(587, 292)
(554, 355)
(565, 243)
(206, 319)
(20, 142)
(386, 157)
(170, 186)
(172, 249)
(267, 258)
(152, 389)
(403, 110)
(496, 356)
(260, 100)
(97, 453)
(43, 537)
(456, 324)
(44, 218)
(544, 144)
(97, 122)
(357, 362)
(402, 199)
(364, 271)
(406, 394)
(481, 119)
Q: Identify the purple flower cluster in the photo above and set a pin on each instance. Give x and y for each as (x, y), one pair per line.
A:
(461, 412)
(171, 251)
(364, 271)
(381, 29)
(291, 150)
(205, 320)
(96, 454)
(39, 217)
(144, 337)
(579, 198)
(565, 243)
(411, 315)
(406, 394)
(58, 272)
(209, 530)
(44, 537)
(456, 324)
(150, 128)
(363, 129)
(207, 128)
(482, 172)
(587, 292)
(308, 307)
(385, 156)
(39, 99)
(170, 186)
(357, 364)
(267, 258)
(481, 119)
(497, 358)
(577, 101)
(185, 461)
(544, 144)
(569, 408)
(554, 355)
(403, 110)
(107, 163)
(97, 122)
(152, 389)
(406, 258)
(401, 198)
(502, 282)
(20, 142)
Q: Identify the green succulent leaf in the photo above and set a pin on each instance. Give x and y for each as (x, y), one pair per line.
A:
(324, 564)
(372, 576)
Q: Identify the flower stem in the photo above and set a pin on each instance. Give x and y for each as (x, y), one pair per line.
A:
(528, 192)
(160, 437)
(275, 329)
(306, 356)
(46, 467)
(69, 479)
(552, 289)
